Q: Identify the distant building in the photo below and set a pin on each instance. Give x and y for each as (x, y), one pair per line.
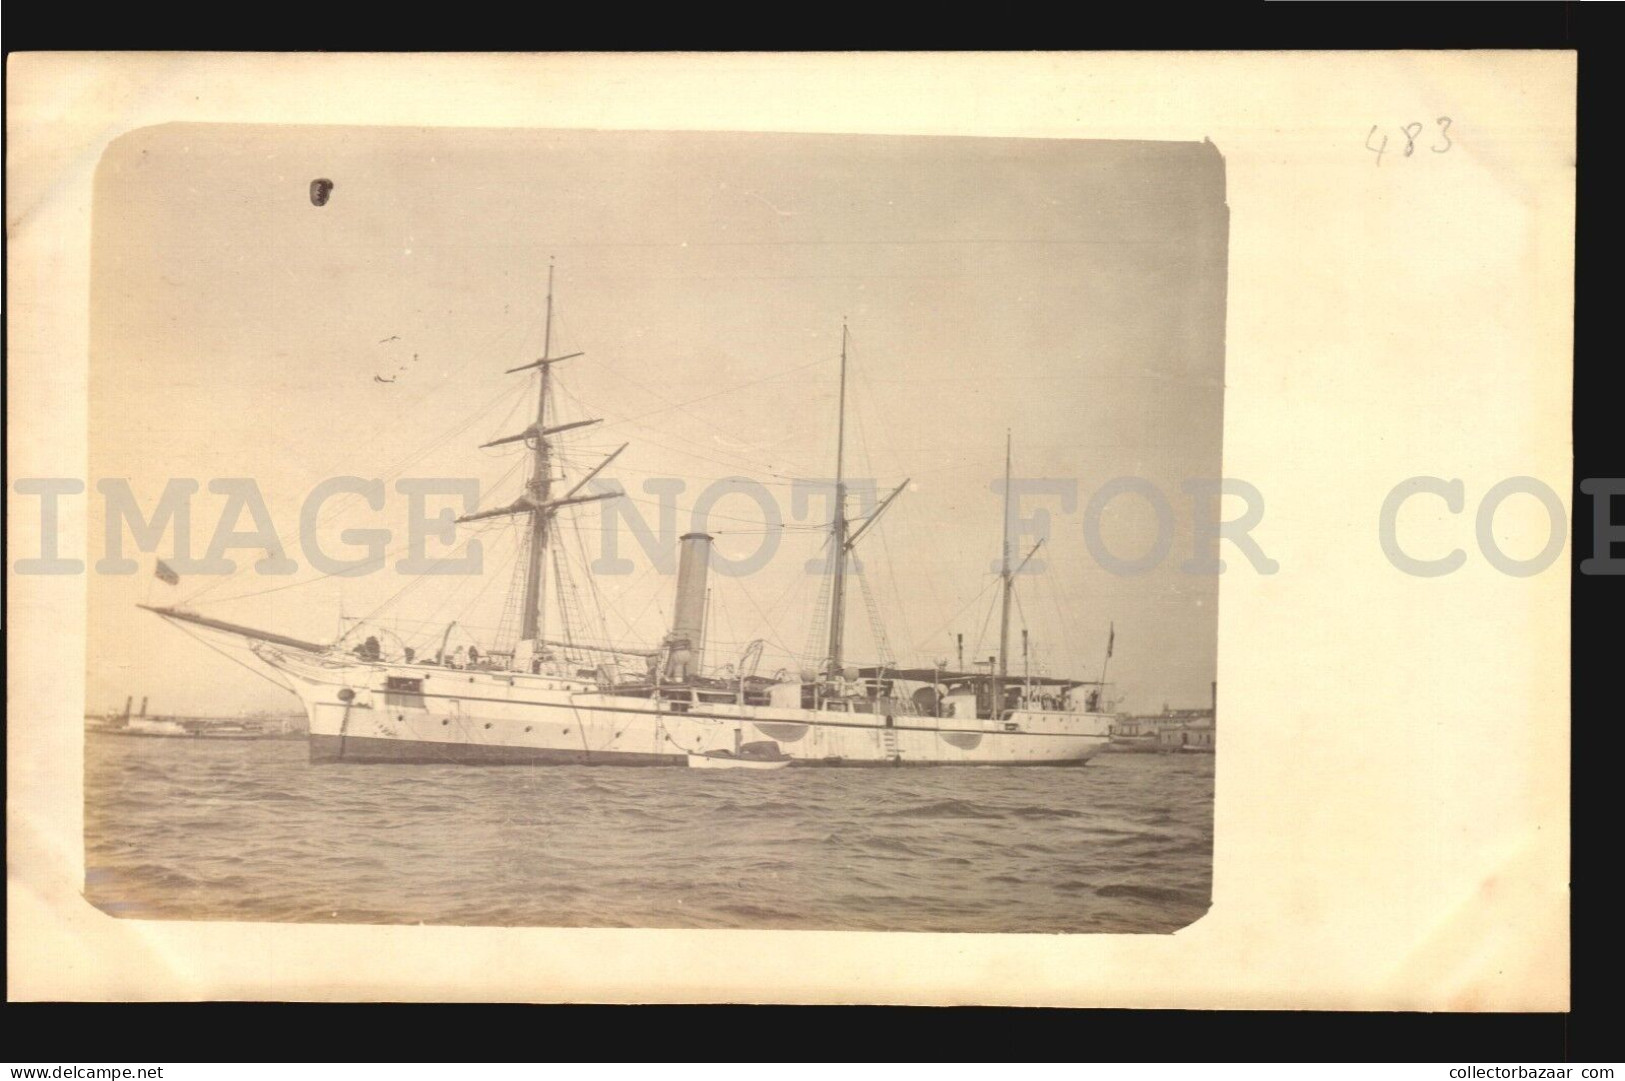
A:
(1193, 736)
(1171, 731)
(1131, 733)
(1132, 727)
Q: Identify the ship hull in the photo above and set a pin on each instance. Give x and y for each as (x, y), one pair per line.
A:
(347, 748)
(365, 712)
(363, 749)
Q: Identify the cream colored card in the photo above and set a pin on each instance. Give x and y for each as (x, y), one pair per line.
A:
(1391, 812)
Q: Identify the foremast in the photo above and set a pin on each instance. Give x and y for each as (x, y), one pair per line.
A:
(537, 500)
(539, 487)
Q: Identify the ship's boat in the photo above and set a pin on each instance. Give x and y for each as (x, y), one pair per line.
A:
(760, 754)
(724, 760)
(730, 760)
(557, 699)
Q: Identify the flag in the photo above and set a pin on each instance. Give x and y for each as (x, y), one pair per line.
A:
(163, 571)
(1111, 638)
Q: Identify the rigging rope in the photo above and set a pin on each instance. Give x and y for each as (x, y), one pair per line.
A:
(817, 651)
(274, 682)
(506, 639)
(877, 629)
(731, 434)
(982, 634)
(729, 390)
(600, 629)
(345, 502)
(962, 610)
(334, 574)
(766, 623)
(897, 592)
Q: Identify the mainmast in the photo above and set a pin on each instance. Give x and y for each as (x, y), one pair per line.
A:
(837, 604)
(843, 538)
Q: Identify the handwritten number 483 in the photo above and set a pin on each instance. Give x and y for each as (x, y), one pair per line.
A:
(1412, 132)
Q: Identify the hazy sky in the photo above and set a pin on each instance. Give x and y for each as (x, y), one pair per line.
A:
(1070, 291)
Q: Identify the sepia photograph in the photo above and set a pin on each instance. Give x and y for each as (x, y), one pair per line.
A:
(442, 471)
(783, 528)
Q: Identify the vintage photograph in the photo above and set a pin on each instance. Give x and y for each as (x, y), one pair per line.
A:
(436, 473)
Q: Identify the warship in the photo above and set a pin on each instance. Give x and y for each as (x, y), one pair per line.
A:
(554, 699)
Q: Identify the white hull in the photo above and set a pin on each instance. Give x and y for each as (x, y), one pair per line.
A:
(478, 716)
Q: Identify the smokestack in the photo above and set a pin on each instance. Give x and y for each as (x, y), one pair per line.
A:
(129, 700)
(961, 637)
(687, 639)
(143, 705)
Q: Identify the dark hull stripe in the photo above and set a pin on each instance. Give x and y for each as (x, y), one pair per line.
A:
(325, 748)
(406, 751)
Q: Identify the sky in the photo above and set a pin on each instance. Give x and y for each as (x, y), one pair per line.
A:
(1069, 292)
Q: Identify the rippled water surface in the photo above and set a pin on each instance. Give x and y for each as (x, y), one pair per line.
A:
(250, 830)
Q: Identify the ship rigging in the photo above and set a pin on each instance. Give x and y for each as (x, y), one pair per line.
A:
(537, 703)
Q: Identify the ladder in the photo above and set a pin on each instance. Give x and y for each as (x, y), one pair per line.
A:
(888, 743)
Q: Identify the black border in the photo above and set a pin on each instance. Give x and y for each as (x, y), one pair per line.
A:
(1597, 600)
(654, 28)
(153, 1033)
(427, 1033)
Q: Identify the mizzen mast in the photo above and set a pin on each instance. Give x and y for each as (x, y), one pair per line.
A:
(1007, 576)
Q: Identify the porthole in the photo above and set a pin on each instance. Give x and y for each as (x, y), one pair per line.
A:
(527, 728)
(488, 724)
(445, 722)
(400, 716)
(567, 731)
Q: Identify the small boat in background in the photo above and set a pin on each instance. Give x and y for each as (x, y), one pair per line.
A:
(183, 728)
(157, 727)
(141, 724)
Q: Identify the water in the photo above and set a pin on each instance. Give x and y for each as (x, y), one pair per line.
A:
(250, 830)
